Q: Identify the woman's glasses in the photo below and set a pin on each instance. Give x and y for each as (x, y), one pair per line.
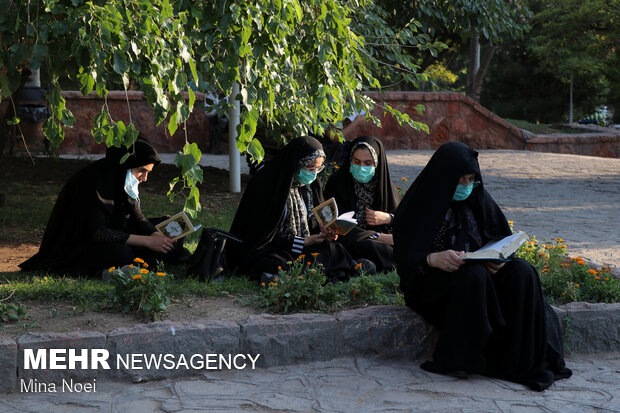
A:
(315, 170)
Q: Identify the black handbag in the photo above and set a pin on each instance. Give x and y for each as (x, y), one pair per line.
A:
(208, 261)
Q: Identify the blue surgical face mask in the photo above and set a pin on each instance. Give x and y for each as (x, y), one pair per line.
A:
(462, 192)
(362, 174)
(305, 177)
(131, 184)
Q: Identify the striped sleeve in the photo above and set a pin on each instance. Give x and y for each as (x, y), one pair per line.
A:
(298, 245)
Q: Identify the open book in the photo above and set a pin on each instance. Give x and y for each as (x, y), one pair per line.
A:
(498, 250)
(177, 226)
(327, 214)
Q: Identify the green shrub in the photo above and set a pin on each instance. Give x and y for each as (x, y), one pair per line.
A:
(136, 288)
(10, 313)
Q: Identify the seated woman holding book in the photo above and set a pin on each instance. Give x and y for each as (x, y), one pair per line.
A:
(492, 317)
(363, 185)
(275, 219)
(96, 222)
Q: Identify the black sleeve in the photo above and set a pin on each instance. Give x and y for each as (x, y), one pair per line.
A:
(99, 226)
(139, 224)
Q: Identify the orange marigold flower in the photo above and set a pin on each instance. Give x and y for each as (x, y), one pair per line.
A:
(597, 278)
(279, 268)
(138, 260)
(563, 293)
(559, 240)
(276, 279)
(355, 293)
(130, 265)
(593, 272)
(511, 222)
(145, 265)
(309, 263)
(263, 284)
(545, 269)
(563, 246)
(301, 257)
(315, 254)
(144, 271)
(577, 285)
(111, 269)
(358, 266)
(606, 279)
(404, 179)
(161, 274)
(137, 277)
(336, 167)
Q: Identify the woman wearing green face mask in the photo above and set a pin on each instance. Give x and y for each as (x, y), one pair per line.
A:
(492, 318)
(275, 218)
(362, 184)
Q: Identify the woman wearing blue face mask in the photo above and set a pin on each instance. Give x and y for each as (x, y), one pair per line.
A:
(492, 318)
(363, 185)
(97, 223)
(275, 220)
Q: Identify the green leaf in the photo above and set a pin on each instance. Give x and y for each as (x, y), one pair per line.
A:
(120, 63)
(172, 123)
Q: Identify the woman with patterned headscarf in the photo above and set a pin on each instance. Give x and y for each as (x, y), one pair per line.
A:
(275, 220)
(363, 185)
(97, 222)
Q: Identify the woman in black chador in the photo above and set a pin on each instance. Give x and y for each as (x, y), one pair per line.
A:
(363, 185)
(275, 219)
(493, 319)
(97, 223)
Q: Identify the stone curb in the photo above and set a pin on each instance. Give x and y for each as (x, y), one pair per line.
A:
(390, 331)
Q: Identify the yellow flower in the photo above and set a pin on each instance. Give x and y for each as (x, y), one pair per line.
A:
(144, 271)
(577, 285)
(137, 277)
(606, 279)
(111, 269)
(545, 270)
(263, 284)
(510, 222)
(597, 278)
(145, 265)
(276, 279)
(138, 260)
(336, 167)
(559, 240)
(161, 274)
(301, 277)
(279, 268)
(358, 266)
(315, 254)
(130, 265)
(593, 272)
(404, 179)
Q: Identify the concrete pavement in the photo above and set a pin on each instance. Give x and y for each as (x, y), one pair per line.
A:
(361, 384)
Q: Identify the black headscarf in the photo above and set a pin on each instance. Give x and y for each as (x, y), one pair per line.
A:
(423, 209)
(99, 185)
(342, 186)
(264, 201)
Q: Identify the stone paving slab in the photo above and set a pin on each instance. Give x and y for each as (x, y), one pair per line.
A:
(360, 384)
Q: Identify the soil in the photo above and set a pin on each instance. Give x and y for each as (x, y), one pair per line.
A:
(63, 317)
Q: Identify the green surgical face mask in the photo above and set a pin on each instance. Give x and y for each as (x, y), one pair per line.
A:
(462, 192)
(362, 174)
(305, 177)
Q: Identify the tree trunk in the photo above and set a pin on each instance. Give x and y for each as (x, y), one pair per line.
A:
(477, 67)
(570, 100)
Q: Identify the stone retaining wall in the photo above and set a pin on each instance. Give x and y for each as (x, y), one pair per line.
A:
(450, 116)
(391, 331)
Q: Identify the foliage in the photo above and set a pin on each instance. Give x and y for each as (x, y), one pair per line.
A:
(566, 279)
(10, 313)
(136, 288)
(299, 287)
(364, 289)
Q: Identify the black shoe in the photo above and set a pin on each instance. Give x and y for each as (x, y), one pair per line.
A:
(431, 367)
(368, 267)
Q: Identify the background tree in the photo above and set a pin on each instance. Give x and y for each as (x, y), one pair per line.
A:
(299, 63)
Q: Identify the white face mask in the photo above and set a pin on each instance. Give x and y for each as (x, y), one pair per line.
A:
(131, 185)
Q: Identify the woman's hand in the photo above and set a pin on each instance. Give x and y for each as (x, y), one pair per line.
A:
(156, 242)
(448, 260)
(325, 233)
(387, 238)
(493, 267)
(375, 218)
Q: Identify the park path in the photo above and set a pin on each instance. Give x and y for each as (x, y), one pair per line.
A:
(361, 384)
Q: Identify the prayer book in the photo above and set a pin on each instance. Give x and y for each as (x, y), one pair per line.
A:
(327, 214)
(498, 250)
(177, 226)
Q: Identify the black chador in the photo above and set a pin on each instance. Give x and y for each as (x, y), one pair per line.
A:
(275, 217)
(497, 325)
(379, 194)
(94, 216)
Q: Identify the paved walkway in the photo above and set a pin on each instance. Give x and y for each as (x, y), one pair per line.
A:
(341, 385)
